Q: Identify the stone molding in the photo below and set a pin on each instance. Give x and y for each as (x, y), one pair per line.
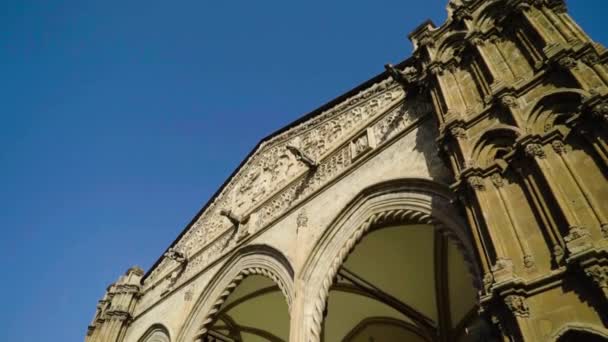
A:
(249, 260)
(392, 202)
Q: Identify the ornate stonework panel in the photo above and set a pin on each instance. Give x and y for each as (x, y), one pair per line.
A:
(273, 181)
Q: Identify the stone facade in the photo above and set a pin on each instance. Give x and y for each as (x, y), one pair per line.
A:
(493, 132)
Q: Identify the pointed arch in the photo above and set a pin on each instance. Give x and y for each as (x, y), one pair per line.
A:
(487, 14)
(250, 260)
(156, 333)
(448, 44)
(494, 143)
(580, 328)
(548, 110)
(392, 202)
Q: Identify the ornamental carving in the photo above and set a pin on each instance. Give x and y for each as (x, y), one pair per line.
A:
(599, 275)
(566, 62)
(517, 305)
(497, 180)
(458, 132)
(476, 183)
(600, 111)
(578, 240)
(273, 167)
(558, 146)
(535, 151)
(508, 101)
(278, 196)
(591, 59)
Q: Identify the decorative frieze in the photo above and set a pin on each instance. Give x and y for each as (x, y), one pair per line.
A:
(265, 211)
(273, 167)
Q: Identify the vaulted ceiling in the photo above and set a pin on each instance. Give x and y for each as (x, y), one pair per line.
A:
(402, 283)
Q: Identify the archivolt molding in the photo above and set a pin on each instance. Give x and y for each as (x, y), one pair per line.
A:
(539, 120)
(580, 327)
(156, 333)
(395, 202)
(250, 260)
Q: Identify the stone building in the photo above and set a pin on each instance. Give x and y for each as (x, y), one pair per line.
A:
(461, 195)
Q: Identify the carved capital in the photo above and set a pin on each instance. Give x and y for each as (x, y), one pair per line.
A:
(508, 101)
(517, 305)
(591, 58)
(599, 275)
(600, 111)
(558, 146)
(578, 240)
(476, 183)
(604, 230)
(503, 269)
(535, 151)
(566, 62)
(497, 180)
(437, 69)
(458, 132)
(528, 261)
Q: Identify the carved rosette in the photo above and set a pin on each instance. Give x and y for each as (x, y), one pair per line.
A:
(517, 305)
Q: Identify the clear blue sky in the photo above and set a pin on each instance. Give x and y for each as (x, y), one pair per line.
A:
(121, 118)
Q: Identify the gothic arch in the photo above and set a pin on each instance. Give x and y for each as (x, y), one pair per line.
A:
(491, 143)
(156, 333)
(449, 44)
(250, 260)
(545, 111)
(397, 201)
(580, 328)
(386, 321)
(486, 16)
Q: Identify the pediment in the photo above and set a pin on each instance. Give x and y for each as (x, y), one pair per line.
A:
(272, 179)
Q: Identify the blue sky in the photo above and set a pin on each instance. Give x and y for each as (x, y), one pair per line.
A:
(121, 118)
